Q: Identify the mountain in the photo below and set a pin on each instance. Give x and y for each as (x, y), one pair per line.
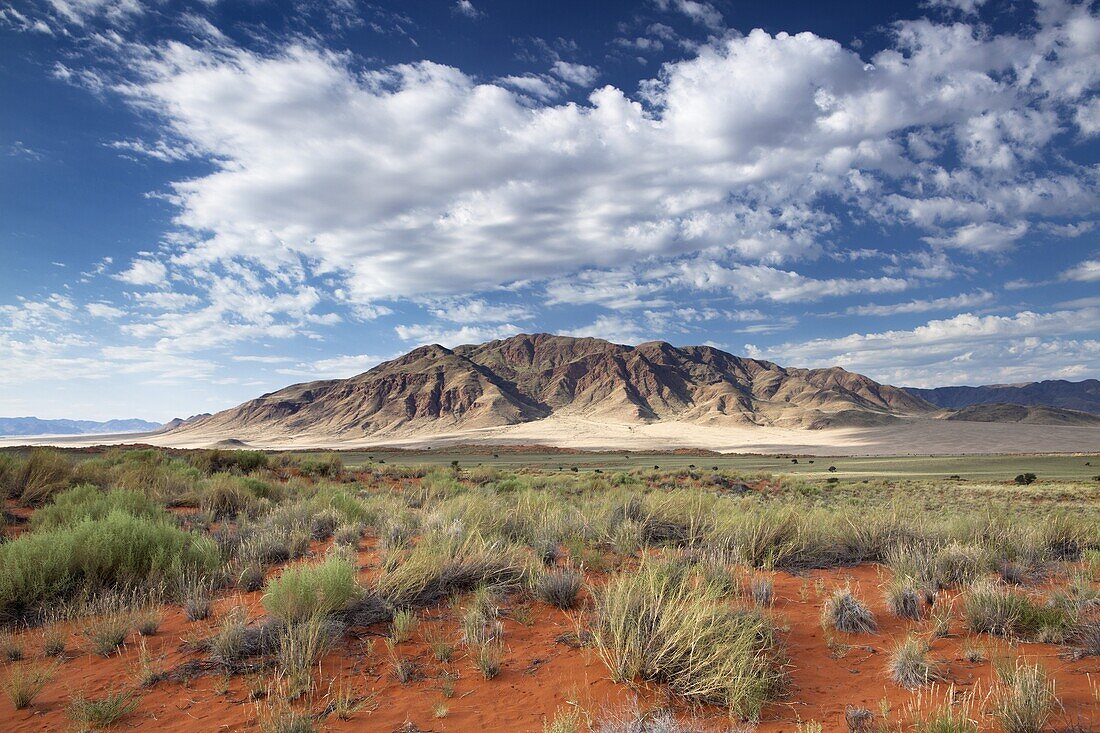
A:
(1081, 396)
(35, 426)
(1029, 414)
(531, 377)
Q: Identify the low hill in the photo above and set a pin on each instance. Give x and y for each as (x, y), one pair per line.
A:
(1082, 396)
(1029, 414)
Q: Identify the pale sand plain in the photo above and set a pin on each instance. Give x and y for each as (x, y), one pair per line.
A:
(913, 436)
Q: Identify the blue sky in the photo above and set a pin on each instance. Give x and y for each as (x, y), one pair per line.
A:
(207, 200)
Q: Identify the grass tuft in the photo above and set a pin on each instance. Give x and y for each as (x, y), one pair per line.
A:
(844, 612)
(25, 682)
(652, 624)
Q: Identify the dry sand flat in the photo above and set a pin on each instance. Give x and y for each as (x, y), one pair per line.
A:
(917, 436)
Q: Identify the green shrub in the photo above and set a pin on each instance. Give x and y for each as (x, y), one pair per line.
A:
(102, 712)
(559, 587)
(79, 503)
(39, 476)
(303, 591)
(441, 565)
(226, 496)
(24, 682)
(228, 461)
(652, 624)
(117, 552)
(989, 608)
(909, 665)
(1026, 702)
(107, 633)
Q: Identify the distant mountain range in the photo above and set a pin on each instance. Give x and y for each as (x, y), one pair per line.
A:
(35, 426)
(1081, 396)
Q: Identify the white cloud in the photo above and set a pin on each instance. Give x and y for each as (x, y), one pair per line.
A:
(966, 300)
(700, 12)
(144, 272)
(616, 329)
(542, 87)
(1019, 347)
(1087, 271)
(476, 310)
(473, 185)
(578, 74)
(755, 282)
(78, 12)
(420, 334)
(104, 310)
(465, 7)
(984, 237)
(337, 367)
(967, 7)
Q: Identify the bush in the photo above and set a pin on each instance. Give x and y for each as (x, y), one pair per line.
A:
(225, 496)
(489, 657)
(39, 476)
(909, 665)
(303, 591)
(107, 633)
(1025, 479)
(117, 552)
(226, 461)
(88, 502)
(903, 600)
(24, 683)
(102, 712)
(652, 624)
(844, 612)
(988, 608)
(1027, 700)
(441, 565)
(559, 587)
(301, 644)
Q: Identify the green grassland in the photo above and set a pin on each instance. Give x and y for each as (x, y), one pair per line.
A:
(973, 468)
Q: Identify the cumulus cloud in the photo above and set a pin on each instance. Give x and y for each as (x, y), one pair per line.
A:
(1087, 271)
(1020, 347)
(735, 150)
(104, 310)
(578, 74)
(144, 272)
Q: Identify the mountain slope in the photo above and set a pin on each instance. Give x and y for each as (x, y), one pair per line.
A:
(1081, 396)
(36, 426)
(530, 377)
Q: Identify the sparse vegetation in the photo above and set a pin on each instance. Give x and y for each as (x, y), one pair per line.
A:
(669, 575)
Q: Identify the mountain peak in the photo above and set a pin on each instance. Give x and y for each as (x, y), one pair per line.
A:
(530, 377)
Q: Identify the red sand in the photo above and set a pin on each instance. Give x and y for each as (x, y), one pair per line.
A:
(540, 675)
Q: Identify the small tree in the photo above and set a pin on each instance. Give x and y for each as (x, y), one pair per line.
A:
(1025, 479)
